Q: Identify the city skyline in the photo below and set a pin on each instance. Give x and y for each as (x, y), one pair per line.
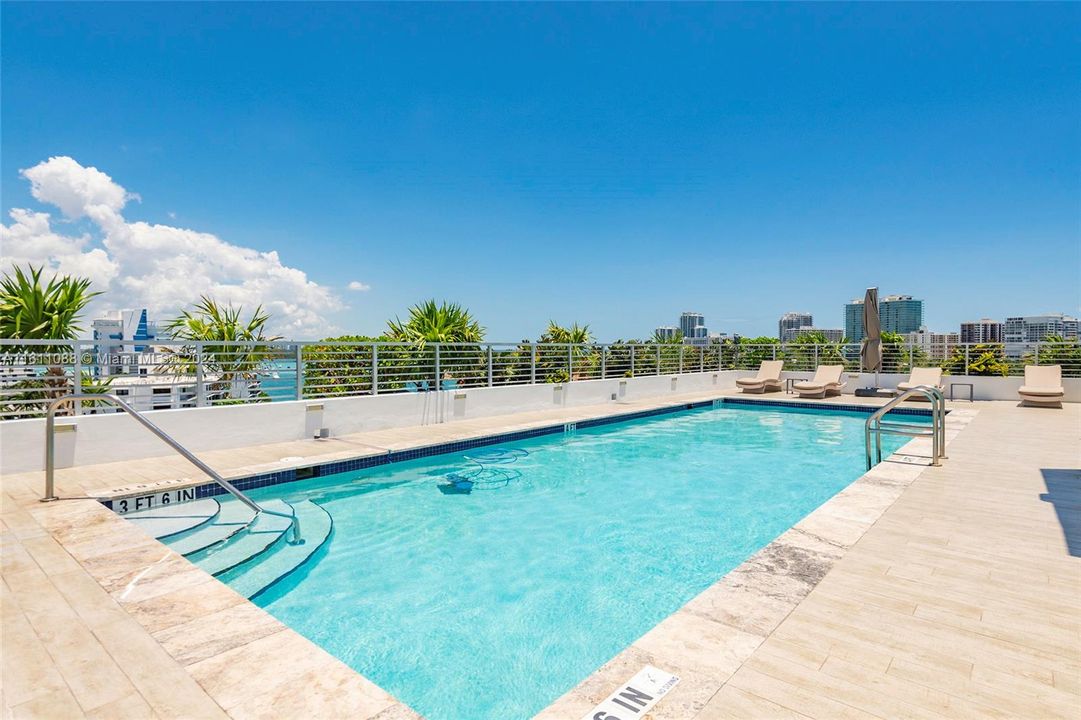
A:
(463, 153)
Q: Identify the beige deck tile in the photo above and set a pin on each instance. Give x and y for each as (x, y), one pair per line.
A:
(87, 598)
(14, 558)
(34, 674)
(334, 692)
(183, 605)
(48, 554)
(798, 697)
(89, 671)
(859, 687)
(132, 707)
(215, 633)
(85, 665)
(57, 704)
(731, 703)
(246, 673)
(993, 701)
(21, 524)
(397, 711)
(161, 681)
(685, 641)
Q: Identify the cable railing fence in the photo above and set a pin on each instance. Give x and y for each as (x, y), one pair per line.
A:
(169, 374)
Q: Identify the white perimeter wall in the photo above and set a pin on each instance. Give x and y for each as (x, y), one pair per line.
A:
(114, 437)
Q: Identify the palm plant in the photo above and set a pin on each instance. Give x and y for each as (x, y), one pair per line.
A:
(580, 358)
(443, 323)
(32, 310)
(432, 323)
(232, 350)
(1057, 350)
(805, 351)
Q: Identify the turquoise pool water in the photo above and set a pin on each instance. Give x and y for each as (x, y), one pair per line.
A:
(491, 604)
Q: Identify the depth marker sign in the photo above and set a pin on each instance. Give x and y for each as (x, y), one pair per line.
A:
(636, 696)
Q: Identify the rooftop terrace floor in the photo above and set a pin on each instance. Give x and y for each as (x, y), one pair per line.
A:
(949, 591)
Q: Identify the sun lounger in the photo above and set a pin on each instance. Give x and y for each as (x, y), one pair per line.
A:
(768, 378)
(1043, 385)
(827, 380)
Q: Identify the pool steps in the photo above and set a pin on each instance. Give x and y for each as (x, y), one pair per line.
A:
(253, 577)
(231, 519)
(241, 547)
(222, 539)
(172, 520)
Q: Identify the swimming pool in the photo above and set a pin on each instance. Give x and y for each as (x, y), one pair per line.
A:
(488, 593)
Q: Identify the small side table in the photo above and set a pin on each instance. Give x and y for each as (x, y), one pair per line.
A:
(788, 383)
(964, 384)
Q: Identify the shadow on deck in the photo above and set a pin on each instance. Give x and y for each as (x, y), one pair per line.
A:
(1064, 492)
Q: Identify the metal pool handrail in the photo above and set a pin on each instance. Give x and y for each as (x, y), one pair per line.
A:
(938, 424)
(50, 463)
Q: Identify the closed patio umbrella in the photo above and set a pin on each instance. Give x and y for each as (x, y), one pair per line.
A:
(871, 349)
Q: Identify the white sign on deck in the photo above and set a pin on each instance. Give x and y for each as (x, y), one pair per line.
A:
(145, 502)
(636, 696)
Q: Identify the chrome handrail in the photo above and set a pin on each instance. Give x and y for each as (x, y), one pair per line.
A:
(50, 461)
(938, 424)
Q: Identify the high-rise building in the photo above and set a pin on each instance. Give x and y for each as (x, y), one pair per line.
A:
(896, 313)
(854, 320)
(936, 346)
(981, 331)
(665, 332)
(1020, 332)
(793, 321)
(689, 322)
(900, 314)
(831, 334)
(120, 338)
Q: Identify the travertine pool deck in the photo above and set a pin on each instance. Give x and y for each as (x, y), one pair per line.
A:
(916, 592)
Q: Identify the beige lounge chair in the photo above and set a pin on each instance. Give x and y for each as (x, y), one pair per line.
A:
(930, 376)
(1043, 385)
(827, 379)
(768, 378)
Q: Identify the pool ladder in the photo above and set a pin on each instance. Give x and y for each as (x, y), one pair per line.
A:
(937, 432)
(50, 453)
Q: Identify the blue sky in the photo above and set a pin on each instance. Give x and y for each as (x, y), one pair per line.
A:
(608, 164)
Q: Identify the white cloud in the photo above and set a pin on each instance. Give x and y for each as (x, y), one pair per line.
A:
(358, 286)
(161, 267)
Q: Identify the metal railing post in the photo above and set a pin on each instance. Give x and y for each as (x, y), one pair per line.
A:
(658, 359)
(437, 380)
(77, 368)
(604, 361)
(816, 355)
(533, 363)
(299, 359)
(1037, 353)
(967, 348)
(632, 360)
(680, 359)
(490, 378)
(570, 362)
(375, 368)
(200, 376)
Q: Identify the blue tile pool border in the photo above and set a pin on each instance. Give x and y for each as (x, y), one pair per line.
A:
(211, 489)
